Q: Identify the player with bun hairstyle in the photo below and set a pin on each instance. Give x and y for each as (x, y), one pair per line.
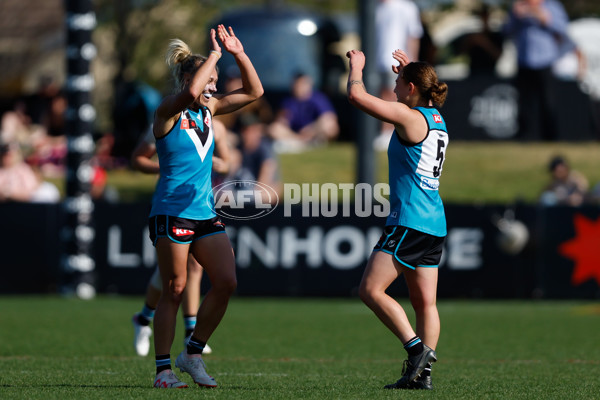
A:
(183, 218)
(412, 241)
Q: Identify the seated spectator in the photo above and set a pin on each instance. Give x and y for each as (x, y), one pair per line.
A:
(231, 121)
(16, 126)
(305, 118)
(593, 197)
(19, 182)
(567, 187)
(46, 153)
(254, 159)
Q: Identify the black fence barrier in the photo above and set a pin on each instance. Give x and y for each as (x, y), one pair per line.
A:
(490, 251)
(30, 247)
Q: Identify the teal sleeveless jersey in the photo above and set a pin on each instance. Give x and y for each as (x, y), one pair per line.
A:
(414, 172)
(184, 187)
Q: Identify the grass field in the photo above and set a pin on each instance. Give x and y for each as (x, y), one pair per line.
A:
(474, 172)
(56, 348)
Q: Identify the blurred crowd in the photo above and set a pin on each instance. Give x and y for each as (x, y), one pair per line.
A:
(33, 145)
(567, 186)
(538, 31)
(33, 149)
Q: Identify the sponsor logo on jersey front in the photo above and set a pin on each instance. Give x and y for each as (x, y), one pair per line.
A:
(187, 124)
(429, 183)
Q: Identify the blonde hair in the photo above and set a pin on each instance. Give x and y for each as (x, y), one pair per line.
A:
(181, 60)
(423, 76)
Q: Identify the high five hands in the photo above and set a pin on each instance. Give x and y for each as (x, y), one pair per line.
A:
(357, 60)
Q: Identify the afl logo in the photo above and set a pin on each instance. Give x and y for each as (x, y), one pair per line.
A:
(244, 200)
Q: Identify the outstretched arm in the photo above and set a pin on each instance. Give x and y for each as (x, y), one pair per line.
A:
(169, 109)
(251, 86)
(358, 96)
(408, 122)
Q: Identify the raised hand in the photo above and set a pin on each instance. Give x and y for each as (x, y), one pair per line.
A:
(230, 42)
(402, 59)
(214, 43)
(357, 59)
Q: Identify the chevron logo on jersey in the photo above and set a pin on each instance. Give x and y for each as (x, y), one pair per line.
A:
(202, 137)
(437, 118)
(188, 123)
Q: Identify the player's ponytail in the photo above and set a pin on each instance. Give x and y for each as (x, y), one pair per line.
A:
(177, 52)
(438, 92)
(181, 60)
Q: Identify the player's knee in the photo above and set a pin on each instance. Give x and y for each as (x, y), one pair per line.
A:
(366, 294)
(177, 287)
(421, 304)
(193, 266)
(226, 286)
(231, 285)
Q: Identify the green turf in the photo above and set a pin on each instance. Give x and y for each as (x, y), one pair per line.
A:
(55, 348)
(473, 172)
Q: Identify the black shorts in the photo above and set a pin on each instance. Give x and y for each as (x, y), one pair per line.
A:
(183, 230)
(411, 248)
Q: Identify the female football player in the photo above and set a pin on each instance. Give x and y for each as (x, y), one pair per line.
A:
(412, 240)
(142, 160)
(183, 218)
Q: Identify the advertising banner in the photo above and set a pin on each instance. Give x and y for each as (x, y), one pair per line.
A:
(490, 251)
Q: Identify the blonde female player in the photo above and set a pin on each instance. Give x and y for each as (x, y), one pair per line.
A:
(183, 218)
(142, 160)
(415, 229)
